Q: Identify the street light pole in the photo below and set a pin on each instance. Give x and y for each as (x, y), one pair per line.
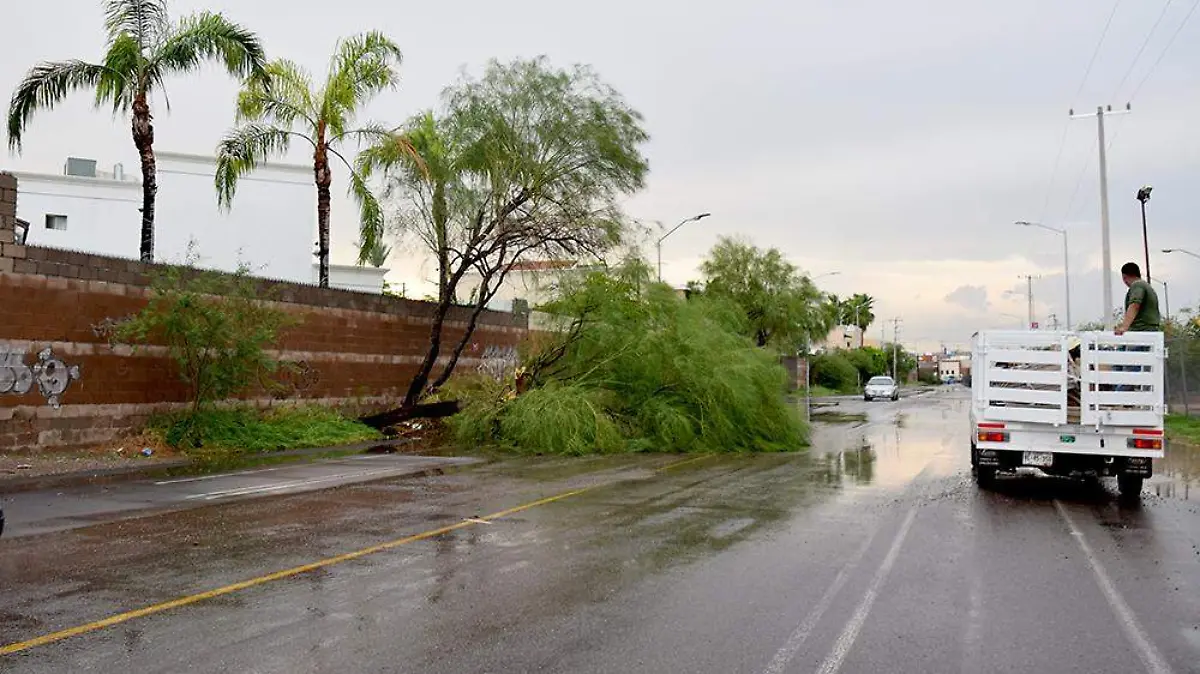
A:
(1180, 250)
(1029, 296)
(1143, 195)
(662, 238)
(1104, 234)
(1166, 296)
(1066, 261)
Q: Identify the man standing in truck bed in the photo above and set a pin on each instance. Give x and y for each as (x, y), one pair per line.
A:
(1141, 313)
(1141, 303)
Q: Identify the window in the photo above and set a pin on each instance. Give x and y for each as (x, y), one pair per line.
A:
(58, 222)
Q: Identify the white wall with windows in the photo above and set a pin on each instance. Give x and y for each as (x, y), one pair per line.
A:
(271, 225)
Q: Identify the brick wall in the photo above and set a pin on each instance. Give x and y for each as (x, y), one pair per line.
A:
(352, 348)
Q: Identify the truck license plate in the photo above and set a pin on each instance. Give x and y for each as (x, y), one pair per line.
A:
(1038, 459)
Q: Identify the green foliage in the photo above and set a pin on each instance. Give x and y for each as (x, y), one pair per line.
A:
(286, 105)
(870, 362)
(905, 361)
(526, 162)
(215, 329)
(1183, 429)
(856, 311)
(782, 307)
(638, 369)
(833, 370)
(144, 48)
(246, 430)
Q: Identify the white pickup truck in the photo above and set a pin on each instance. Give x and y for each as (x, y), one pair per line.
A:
(1067, 403)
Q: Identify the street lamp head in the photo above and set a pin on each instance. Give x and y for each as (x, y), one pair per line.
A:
(1143, 194)
(1168, 250)
(1023, 223)
(702, 216)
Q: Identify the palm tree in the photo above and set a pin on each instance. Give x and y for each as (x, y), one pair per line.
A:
(286, 106)
(860, 308)
(143, 49)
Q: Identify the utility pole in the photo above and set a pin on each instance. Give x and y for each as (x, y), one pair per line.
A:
(1106, 245)
(1029, 296)
(896, 349)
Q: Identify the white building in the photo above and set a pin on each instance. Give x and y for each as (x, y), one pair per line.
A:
(950, 369)
(271, 225)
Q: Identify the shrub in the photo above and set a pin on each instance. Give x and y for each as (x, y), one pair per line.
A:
(835, 371)
(216, 330)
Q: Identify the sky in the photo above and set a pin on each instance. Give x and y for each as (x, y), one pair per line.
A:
(893, 143)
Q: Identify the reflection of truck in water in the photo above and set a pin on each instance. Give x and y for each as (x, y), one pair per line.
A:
(1086, 403)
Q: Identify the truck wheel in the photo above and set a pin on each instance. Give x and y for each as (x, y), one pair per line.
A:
(1130, 485)
(974, 457)
(985, 477)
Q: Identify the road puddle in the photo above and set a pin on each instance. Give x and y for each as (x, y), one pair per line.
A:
(1178, 474)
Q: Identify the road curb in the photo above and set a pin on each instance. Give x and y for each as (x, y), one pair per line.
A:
(95, 476)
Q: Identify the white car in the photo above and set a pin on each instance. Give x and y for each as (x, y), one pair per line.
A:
(881, 387)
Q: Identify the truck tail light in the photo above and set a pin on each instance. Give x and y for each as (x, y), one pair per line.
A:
(1145, 443)
(992, 432)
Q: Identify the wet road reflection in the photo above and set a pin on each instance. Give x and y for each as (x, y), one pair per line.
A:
(874, 549)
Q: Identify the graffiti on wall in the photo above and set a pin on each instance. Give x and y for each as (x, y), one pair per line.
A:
(51, 375)
(498, 361)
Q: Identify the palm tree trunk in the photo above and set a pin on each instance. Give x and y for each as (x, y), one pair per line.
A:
(143, 140)
(323, 180)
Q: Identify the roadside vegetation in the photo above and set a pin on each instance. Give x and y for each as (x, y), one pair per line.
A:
(846, 371)
(236, 431)
(1183, 429)
(635, 368)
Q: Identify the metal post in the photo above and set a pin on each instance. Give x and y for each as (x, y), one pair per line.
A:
(1067, 276)
(807, 388)
(1183, 379)
(659, 245)
(1104, 235)
(1029, 280)
(1101, 111)
(1145, 240)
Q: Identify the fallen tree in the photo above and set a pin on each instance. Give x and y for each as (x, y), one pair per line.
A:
(635, 368)
(527, 162)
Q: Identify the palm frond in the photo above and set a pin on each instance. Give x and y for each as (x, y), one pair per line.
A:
(284, 96)
(242, 150)
(420, 152)
(45, 85)
(209, 36)
(145, 20)
(371, 221)
(122, 73)
(363, 66)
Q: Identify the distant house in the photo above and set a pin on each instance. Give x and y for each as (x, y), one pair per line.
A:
(527, 284)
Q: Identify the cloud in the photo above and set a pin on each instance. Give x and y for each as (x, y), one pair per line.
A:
(974, 298)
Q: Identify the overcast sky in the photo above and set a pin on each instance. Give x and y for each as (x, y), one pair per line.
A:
(892, 142)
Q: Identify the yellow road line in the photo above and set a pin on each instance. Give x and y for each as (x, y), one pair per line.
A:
(288, 573)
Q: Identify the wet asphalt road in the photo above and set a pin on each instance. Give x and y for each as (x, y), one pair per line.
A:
(874, 552)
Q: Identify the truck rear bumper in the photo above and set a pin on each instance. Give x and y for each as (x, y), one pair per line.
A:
(1061, 463)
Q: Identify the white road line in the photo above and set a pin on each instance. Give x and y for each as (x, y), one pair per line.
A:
(1151, 658)
(792, 646)
(218, 475)
(841, 648)
(263, 488)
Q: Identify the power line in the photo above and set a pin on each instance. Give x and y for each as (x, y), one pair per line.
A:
(1166, 49)
(1096, 51)
(1146, 78)
(1145, 43)
(1062, 142)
